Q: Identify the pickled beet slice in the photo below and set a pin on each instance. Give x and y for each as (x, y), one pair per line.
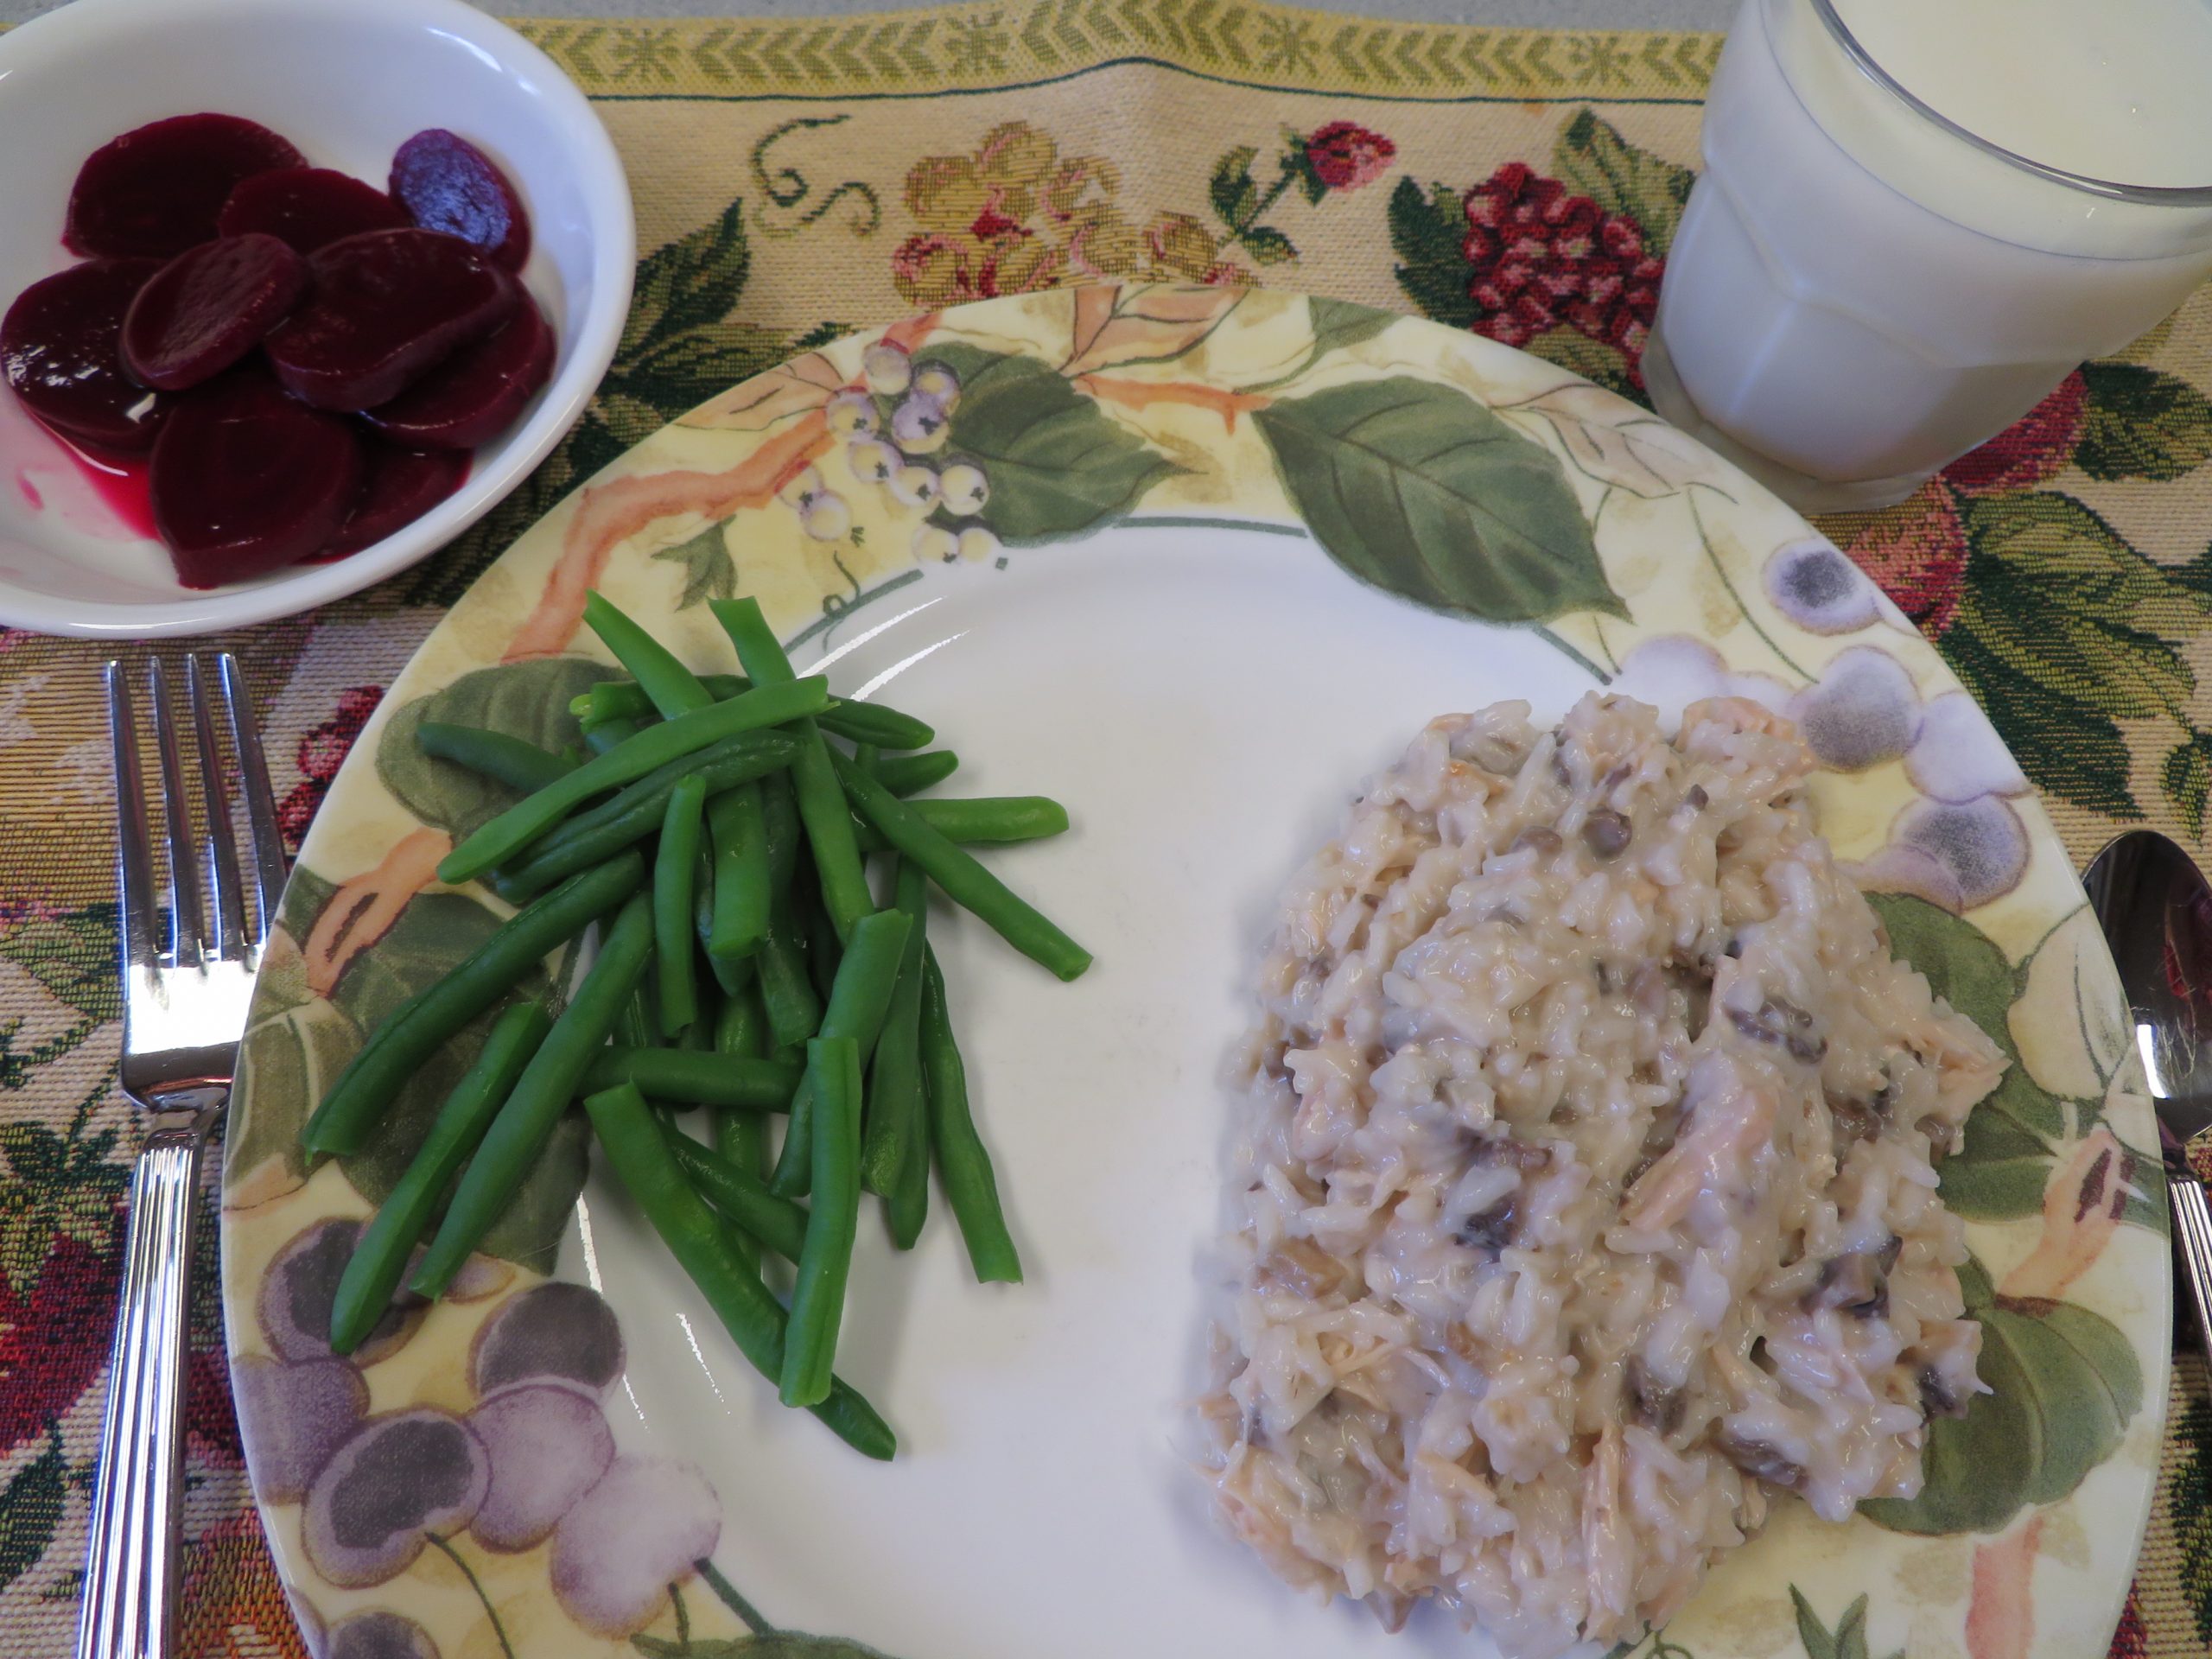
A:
(402, 485)
(449, 185)
(307, 207)
(58, 346)
(208, 307)
(245, 479)
(159, 190)
(387, 306)
(474, 395)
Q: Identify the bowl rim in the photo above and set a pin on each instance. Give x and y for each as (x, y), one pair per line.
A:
(598, 168)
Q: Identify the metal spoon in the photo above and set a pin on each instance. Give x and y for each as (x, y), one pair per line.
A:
(2156, 910)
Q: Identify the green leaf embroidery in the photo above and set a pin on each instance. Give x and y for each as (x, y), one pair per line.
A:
(693, 280)
(73, 954)
(2062, 744)
(61, 1187)
(1267, 244)
(2186, 776)
(1428, 231)
(30, 1508)
(2192, 1510)
(2141, 422)
(1231, 188)
(1423, 491)
(708, 571)
(2065, 1383)
(1594, 160)
(1056, 464)
(528, 700)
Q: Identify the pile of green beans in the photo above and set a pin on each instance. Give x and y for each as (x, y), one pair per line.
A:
(712, 843)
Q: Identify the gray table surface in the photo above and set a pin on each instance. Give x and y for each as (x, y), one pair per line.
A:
(1555, 14)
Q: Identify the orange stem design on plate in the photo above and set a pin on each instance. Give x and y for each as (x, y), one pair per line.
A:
(2001, 1617)
(363, 909)
(2081, 1207)
(1142, 394)
(612, 513)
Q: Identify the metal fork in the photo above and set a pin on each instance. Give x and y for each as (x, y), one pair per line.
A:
(186, 986)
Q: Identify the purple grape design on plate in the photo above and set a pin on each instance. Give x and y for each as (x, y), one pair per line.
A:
(378, 1503)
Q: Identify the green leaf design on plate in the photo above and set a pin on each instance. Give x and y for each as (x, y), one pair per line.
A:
(289, 1061)
(1339, 323)
(30, 1508)
(1056, 464)
(768, 1644)
(1594, 160)
(2003, 1162)
(2065, 1384)
(1421, 491)
(526, 700)
(1428, 231)
(708, 570)
(1847, 1640)
(2141, 422)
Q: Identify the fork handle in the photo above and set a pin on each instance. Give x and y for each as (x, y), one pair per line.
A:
(2193, 1238)
(130, 1561)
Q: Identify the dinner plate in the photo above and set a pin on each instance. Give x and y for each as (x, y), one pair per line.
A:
(1196, 561)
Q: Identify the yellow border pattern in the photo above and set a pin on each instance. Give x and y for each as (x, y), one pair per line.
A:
(967, 47)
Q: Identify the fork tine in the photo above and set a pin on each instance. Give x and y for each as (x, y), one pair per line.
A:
(187, 928)
(133, 861)
(260, 800)
(222, 845)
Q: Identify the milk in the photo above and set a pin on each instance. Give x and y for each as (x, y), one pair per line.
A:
(1857, 295)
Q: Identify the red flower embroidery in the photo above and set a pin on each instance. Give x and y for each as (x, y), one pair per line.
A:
(322, 752)
(54, 1343)
(1916, 552)
(2032, 450)
(1543, 257)
(1344, 154)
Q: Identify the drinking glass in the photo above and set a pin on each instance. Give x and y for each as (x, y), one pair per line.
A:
(1862, 290)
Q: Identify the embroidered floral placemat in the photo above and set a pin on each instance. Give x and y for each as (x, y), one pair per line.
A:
(794, 179)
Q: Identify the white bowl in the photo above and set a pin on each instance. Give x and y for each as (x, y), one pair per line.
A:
(346, 80)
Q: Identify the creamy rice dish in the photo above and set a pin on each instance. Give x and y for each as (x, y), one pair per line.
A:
(1582, 1190)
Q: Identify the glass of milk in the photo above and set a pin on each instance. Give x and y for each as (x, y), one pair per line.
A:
(1917, 216)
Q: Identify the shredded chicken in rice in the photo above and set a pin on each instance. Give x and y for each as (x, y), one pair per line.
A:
(1583, 1191)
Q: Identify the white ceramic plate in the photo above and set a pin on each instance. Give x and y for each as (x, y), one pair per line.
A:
(1236, 550)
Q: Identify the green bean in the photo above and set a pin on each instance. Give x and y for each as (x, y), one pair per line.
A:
(867, 756)
(399, 1047)
(633, 1026)
(742, 1031)
(871, 722)
(742, 1196)
(814, 784)
(794, 1009)
(671, 688)
(379, 1255)
(857, 1004)
(495, 755)
(963, 1164)
(638, 1150)
(822, 951)
(779, 822)
(963, 880)
(978, 820)
(675, 864)
(908, 1206)
(739, 834)
(638, 811)
(825, 1260)
(730, 976)
(693, 1077)
(604, 736)
(517, 1135)
(894, 1078)
(909, 774)
(857, 722)
(532, 816)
